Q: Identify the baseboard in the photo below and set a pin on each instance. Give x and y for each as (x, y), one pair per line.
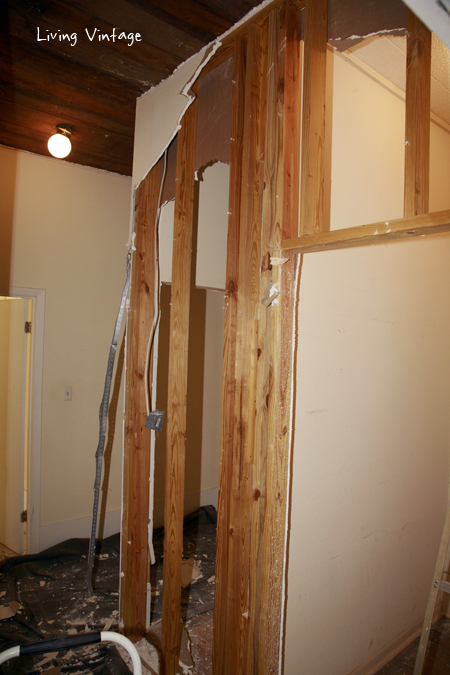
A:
(192, 502)
(49, 535)
(378, 660)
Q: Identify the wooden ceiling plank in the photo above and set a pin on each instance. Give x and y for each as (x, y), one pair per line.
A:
(74, 83)
(193, 18)
(28, 143)
(22, 105)
(141, 63)
(136, 17)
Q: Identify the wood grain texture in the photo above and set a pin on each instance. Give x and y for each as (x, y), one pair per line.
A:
(221, 653)
(135, 555)
(177, 390)
(264, 378)
(248, 293)
(279, 382)
(429, 223)
(313, 121)
(253, 493)
(292, 120)
(417, 124)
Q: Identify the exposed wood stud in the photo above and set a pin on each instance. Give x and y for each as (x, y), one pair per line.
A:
(221, 655)
(252, 513)
(256, 644)
(313, 122)
(428, 223)
(135, 555)
(417, 126)
(292, 119)
(280, 345)
(177, 390)
(248, 294)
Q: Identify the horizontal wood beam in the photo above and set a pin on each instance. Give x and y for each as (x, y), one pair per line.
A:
(428, 223)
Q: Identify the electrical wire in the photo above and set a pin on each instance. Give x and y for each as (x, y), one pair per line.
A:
(157, 312)
(103, 414)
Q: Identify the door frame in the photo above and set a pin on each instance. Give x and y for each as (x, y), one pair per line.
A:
(37, 360)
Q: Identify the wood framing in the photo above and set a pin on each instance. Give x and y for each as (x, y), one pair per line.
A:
(429, 223)
(248, 614)
(417, 125)
(275, 212)
(135, 563)
(221, 655)
(177, 390)
(313, 125)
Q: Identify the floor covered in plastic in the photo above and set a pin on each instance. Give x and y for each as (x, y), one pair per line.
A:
(45, 596)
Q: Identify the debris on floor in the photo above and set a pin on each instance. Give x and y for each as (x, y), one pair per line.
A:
(44, 596)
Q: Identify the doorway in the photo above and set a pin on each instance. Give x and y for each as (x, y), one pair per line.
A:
(21, 357)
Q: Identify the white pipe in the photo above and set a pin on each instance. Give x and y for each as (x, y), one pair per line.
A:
(11, 653)
(108, 636)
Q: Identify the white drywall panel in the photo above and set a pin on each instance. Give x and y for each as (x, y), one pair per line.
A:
(371, 429)
(157, 116)
(368, 149)
(166, 242)
(213, 226)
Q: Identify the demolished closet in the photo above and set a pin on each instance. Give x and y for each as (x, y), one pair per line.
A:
(277, 153)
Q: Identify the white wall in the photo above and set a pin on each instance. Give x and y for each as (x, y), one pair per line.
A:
(371, 439)
(69, 229)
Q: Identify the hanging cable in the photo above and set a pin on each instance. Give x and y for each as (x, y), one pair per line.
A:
(103, 415)
(150, 393)
(104, 406)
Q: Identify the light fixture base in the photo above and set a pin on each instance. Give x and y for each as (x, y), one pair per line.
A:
(65, 129)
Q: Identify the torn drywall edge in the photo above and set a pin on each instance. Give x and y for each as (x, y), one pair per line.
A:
(189, 71)
(386, 31)
(294, 337)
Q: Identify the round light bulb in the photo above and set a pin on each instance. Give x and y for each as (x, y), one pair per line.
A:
(59, 146)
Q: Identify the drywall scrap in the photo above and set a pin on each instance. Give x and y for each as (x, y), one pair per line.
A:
(353, 20)
(160, 110)
(214, 116)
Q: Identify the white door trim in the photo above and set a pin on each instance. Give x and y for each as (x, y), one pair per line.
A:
(37, 361)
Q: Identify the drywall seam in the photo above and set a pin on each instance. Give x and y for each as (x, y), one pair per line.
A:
(294, 341)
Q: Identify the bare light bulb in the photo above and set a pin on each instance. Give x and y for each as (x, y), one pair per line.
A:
(59, 145)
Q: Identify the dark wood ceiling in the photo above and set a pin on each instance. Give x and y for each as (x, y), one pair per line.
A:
(93, 85)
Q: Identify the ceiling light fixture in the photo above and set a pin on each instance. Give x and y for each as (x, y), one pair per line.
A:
(59, 144)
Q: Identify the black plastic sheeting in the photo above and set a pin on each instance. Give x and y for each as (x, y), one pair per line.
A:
(52, 592)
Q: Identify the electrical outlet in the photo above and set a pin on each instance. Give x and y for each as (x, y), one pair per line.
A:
(67, 393)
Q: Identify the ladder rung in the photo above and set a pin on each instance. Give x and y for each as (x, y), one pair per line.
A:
(445, 586)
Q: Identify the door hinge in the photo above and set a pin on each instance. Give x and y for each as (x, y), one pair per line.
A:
(24, 517)
(27, 326)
